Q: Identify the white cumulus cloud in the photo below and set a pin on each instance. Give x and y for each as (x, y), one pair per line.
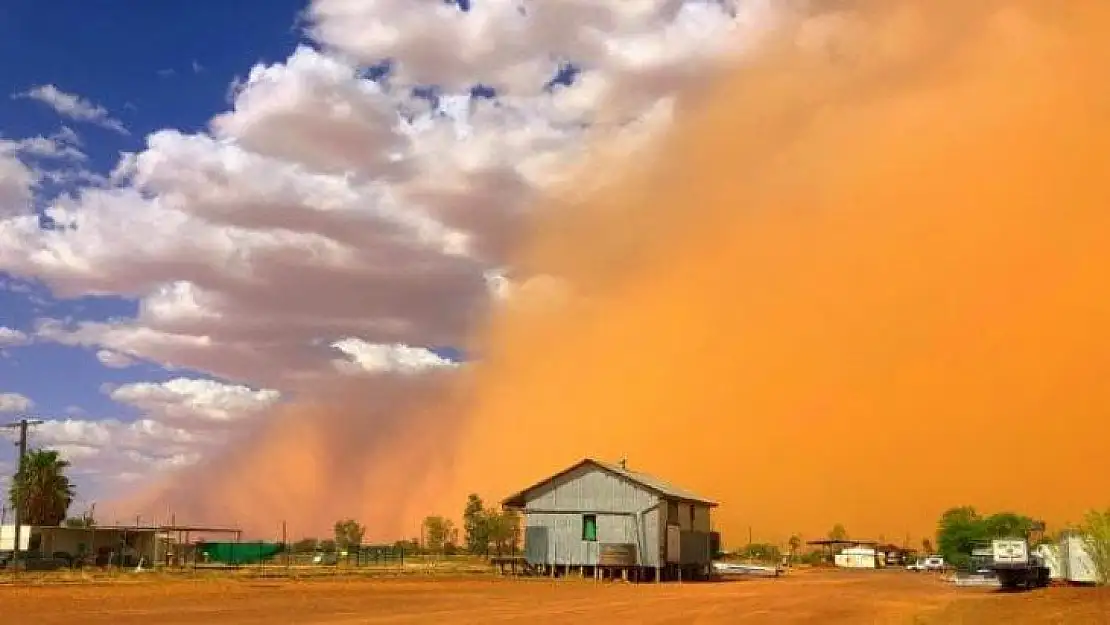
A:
(184, 400)
(334, 198)
(72, 106)
(363, 357)
(182, 420)
(10, 337)
(14, 402)
(113, 360)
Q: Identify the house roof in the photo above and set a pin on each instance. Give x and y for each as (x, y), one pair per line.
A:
(649, 482)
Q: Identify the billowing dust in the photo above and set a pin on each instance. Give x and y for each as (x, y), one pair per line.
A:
(868, 279)
(865, 278)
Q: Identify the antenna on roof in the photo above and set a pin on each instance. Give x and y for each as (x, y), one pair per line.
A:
(623, 462)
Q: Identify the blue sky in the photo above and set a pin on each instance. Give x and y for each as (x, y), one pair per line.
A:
(154, 65)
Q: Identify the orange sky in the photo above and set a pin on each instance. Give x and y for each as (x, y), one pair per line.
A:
(865, 282)
(864, 279)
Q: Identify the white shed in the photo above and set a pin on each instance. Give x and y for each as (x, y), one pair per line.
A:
(1070, 560)
(855, 558)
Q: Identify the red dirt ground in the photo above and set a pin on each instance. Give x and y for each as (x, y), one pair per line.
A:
(807, 597)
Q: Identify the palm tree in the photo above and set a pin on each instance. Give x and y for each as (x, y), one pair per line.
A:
(41, 489)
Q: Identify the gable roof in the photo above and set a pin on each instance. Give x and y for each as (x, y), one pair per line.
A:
(664, 489)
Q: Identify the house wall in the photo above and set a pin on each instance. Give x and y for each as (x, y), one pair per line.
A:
(625, 512)
(71, 540)
(686, 534)
(690, 517)
(702, 521)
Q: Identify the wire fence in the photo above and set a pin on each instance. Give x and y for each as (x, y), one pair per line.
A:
(164, 556)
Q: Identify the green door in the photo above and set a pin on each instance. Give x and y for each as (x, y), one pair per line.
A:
(589, 527)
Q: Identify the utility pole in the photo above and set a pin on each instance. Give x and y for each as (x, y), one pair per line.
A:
(22, 424)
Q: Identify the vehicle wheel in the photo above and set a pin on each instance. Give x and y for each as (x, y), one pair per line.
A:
(1043, 578)
(1007, 580)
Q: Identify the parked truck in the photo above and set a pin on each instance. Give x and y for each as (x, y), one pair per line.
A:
(1015, 566)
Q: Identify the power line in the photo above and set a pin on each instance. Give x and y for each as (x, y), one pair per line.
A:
(22, 425)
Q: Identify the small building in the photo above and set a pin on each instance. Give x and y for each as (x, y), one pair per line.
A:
(1069, 559)
(860, 554)
(119, 545)
(122, 546)
(601, 519)
(857, 557)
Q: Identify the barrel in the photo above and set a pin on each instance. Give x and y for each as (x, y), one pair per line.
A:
(617, 554)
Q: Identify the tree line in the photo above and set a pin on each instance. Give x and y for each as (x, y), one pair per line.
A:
(44, 493)
(485, 532)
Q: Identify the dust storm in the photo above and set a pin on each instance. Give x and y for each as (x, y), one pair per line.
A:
(862, 278)
(866, 277)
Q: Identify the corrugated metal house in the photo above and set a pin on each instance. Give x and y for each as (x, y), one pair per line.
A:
(604, 519)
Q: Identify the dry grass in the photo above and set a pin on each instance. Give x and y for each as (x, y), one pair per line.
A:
(449, 567)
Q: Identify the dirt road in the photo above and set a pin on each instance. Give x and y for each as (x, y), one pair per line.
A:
(814, 597)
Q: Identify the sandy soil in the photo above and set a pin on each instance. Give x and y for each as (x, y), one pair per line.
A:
(808, 597)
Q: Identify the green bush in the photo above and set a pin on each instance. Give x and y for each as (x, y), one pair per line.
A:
(1096, 533)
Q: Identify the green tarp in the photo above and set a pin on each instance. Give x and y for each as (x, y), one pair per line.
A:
(239, 553)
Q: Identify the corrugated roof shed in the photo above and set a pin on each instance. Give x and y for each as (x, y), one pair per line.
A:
(650, 482)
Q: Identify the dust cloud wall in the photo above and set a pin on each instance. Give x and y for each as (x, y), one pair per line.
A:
(865, 278)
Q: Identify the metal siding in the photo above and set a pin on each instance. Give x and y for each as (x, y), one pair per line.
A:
(674, 544)
(684, 521)
(536, 540)
(554, 537)
(694, 548)
(701, 519)
(590, 488)
(653, 525)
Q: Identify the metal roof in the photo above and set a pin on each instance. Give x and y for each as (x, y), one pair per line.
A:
(650, 482)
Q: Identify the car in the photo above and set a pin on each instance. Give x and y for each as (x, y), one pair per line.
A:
(934, 563)
(931, 563)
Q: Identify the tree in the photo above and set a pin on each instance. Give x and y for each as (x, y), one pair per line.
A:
(83, 521)
(1007, 525)
(305, 545)
(927, 546)
(1096, 534)
(838, 533)
(41, 489)
(438, 532)
(961, 529)
(503, 529)
(510, 522)
(476, 526)
(958, 531)
(348, 533)
(411, 545)
(795, 544)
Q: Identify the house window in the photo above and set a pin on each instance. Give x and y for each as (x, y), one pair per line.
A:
(589, 527)
(692, 516)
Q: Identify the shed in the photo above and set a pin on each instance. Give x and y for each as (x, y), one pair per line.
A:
(116, 545)
(604, 519)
